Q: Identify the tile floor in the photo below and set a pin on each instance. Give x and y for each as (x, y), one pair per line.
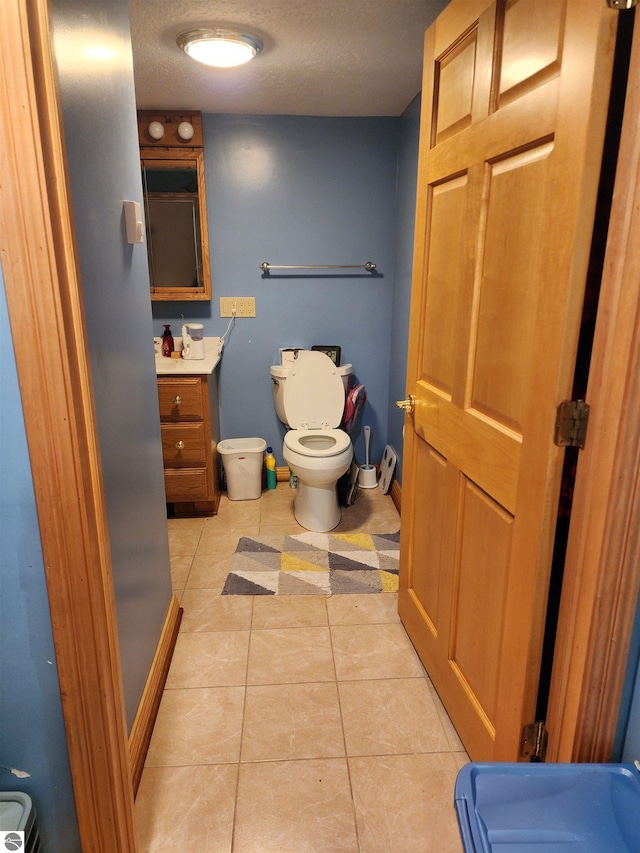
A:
(293, 724)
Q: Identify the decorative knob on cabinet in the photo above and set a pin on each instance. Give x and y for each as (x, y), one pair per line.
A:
(177, 400)
(180, 445)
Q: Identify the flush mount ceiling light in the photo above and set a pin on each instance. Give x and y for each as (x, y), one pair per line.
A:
(218, 47)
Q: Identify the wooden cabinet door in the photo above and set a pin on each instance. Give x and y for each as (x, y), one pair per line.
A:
(514, 107)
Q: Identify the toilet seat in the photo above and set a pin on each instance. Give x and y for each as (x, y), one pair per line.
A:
(319, 443)
(313, 396)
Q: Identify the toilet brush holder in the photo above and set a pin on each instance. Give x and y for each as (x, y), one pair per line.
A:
(368, 477)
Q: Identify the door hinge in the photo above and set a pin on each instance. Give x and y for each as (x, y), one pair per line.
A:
(533, 743)
(571, 423)
(622, 5)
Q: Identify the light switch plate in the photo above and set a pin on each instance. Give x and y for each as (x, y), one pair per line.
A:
(133, 222)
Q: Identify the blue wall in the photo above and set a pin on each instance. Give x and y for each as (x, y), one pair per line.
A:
(308, 190)
(100, 127)
(407, 181)
(32, 737)
(629, 724)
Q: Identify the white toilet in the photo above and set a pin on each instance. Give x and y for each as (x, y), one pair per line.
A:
(309, 396)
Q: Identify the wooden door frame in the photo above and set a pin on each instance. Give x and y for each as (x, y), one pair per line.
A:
(41, 277)
(44, 300)
(602, 568)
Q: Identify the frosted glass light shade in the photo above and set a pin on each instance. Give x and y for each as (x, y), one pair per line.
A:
(185, 130)
(156, 130)
(219, 48)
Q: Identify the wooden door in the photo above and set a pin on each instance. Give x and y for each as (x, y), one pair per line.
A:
(515, 97)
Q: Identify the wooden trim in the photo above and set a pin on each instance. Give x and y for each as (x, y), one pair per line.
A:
(602, 571)
(142, 727)
(396, 495)
(45, 308)
(190, 156)
(171, 156)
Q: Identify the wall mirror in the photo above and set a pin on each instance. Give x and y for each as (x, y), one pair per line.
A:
(172, 161)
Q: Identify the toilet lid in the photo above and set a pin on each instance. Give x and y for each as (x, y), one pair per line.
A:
(313, 394)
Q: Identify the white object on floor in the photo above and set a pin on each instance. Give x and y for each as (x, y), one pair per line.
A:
(387, 467)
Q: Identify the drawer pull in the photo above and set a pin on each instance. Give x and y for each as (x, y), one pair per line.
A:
(177, 400)
(180, 445)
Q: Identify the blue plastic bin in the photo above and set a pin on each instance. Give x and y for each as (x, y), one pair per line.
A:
(540, 808)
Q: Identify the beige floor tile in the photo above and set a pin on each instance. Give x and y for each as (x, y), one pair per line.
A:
(209, 659)
(461, 758)
(375, 503)
(223, 541)
(183, 541)
(288, 721)
(180, 568)
(197, 726)
(290, 655)
(295, 807)
(208, 571)
(372, 504)
(287, 527)
(182, 524)
(289, 611)
(363, 523)
(455, 744)
(377, 512)
(281, 492)
(186, 808)
(235, 514)
(362, 609)
(373, 651)
(390, 716)
(404, 803)
(207, 610)
(293, 785)
(212, 525)
(276, 504)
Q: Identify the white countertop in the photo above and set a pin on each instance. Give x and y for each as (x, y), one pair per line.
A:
(212, 355)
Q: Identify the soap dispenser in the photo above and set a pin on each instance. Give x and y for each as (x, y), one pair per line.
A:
(167, 341)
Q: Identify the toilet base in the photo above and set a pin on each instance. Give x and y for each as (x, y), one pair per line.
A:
(316, 508)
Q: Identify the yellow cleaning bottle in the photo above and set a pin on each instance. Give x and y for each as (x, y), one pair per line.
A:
(270, 463)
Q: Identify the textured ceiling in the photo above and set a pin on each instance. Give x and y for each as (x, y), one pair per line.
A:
(320, 57)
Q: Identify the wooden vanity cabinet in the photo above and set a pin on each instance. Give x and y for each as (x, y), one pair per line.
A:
(190, 430)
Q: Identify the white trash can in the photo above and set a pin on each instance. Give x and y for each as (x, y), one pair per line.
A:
(243, 461)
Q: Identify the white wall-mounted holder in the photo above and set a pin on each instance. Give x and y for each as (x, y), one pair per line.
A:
(133, 222)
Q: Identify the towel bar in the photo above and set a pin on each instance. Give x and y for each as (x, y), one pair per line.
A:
(368, 266)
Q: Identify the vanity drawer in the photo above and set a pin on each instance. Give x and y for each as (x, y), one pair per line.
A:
(189, 418)
(189, 484)
(180, 399)
(183, 445)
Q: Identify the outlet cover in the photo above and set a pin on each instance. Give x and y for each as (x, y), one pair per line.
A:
(245, 306)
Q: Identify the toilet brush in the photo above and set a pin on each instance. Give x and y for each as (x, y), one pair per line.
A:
(367, 478)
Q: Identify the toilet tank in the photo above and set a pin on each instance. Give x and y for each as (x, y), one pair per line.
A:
(279, 375)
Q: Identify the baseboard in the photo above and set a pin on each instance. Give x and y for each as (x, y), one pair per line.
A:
(396, 495)
(144, 722)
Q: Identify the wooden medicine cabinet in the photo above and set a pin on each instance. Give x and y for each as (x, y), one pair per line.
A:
(172, 160)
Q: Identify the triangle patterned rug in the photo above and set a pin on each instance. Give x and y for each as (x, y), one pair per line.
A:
(315, 564)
